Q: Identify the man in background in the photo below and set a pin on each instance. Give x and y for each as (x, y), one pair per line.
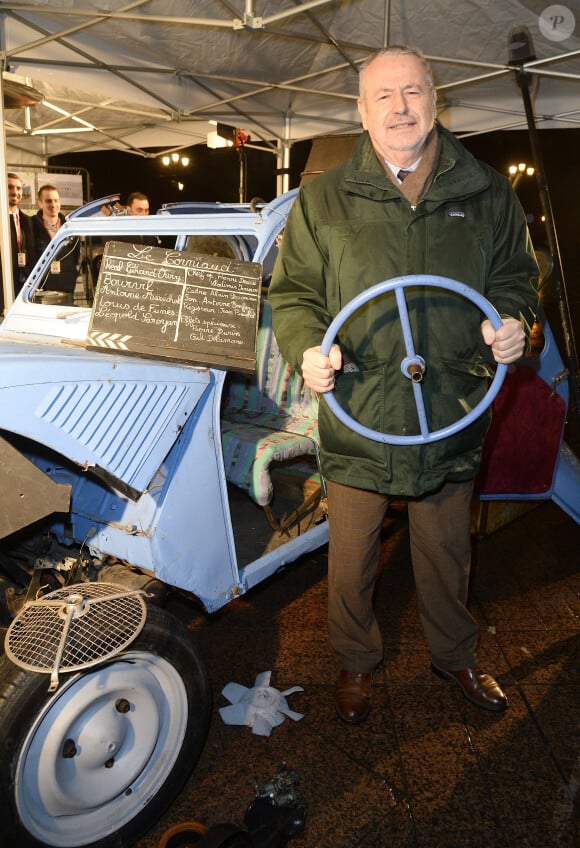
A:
(46, 223)
(137, 204)
(21, 237)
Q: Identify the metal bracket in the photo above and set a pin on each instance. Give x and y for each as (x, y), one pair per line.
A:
(249, 22)
(560, 378)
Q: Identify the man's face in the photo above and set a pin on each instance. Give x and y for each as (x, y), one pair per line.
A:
(398, 107)
(138, 207)
(14, 192)
(49, 202)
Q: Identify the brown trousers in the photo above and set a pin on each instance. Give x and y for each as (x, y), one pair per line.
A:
(439, 527)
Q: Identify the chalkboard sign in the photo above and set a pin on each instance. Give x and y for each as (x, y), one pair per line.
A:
(171, 304)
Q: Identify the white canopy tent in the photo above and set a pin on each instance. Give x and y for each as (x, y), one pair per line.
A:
(152, 74)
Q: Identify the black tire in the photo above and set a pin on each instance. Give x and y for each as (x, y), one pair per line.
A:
(96, 763)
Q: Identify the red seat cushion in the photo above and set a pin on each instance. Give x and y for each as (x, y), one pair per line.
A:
(522, 444)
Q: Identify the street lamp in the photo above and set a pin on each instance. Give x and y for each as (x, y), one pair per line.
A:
(175, 162)
(516, 172)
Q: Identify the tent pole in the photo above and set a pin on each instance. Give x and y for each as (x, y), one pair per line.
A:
(286, 154)
(387, 24)
(242, 173)
(5, 248)
(523, 81)
(283, 147)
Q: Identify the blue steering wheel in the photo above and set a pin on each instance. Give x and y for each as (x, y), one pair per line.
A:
(413, 366)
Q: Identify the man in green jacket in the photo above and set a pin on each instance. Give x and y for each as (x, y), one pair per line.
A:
(355, 225)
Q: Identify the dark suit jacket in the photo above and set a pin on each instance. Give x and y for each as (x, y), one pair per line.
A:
(68, 257)
(19, 274)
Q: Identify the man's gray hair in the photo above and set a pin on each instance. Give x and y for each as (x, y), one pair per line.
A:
(395, 50)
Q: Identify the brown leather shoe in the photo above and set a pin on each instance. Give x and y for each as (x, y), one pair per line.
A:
(477, 686)
(352, 696)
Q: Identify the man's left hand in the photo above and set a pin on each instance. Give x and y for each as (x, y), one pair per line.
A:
(507, 343)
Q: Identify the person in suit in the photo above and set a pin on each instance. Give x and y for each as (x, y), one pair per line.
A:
(21, 236)
(46, 223)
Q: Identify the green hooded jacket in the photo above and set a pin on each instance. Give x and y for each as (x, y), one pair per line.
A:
(351, 228)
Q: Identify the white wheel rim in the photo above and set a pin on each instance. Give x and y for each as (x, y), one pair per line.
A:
(100, 750)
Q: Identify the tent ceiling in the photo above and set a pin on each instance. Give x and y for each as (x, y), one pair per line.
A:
(149, 73)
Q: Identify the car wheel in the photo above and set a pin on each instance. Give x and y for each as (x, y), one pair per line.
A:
(97, 762)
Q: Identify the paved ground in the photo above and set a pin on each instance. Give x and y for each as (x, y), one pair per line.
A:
(427, 769)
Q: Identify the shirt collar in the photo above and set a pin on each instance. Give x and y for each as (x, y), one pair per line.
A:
(396, 168)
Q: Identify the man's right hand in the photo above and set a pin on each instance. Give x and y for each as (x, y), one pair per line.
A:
(319, 370)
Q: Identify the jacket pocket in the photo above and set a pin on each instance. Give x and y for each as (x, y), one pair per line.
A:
(462, 386)
(361, 395)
